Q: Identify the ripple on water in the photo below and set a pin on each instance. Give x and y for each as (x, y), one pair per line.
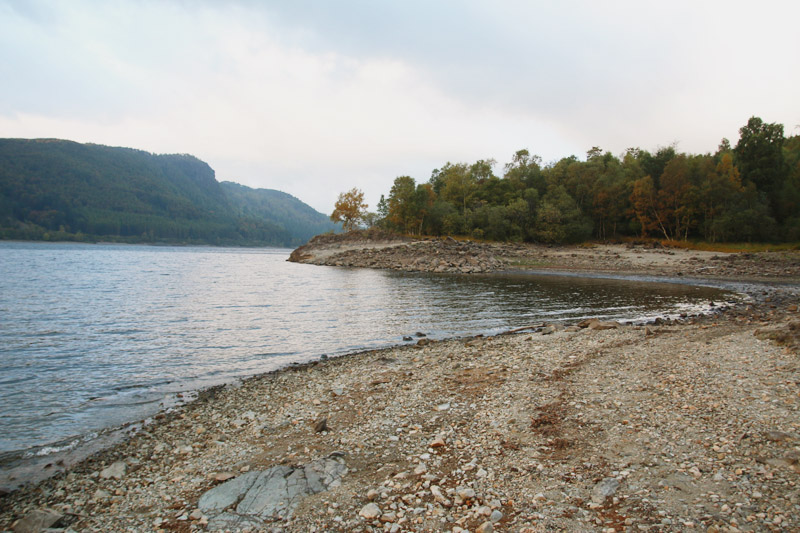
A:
(100, 335)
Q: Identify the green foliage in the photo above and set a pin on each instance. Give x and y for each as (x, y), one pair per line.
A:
(750, 193)
(296, 221)
(61, 190)
(760, 158)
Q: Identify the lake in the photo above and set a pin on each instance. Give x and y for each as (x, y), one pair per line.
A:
(95, 336)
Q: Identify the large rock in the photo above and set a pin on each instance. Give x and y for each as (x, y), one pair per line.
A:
(116, 471)
(256, 497)
(36, 521)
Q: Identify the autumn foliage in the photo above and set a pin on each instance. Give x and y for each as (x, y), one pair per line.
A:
(747, 192)
(350, 209)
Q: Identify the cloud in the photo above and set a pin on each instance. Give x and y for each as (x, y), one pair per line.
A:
(314, 98)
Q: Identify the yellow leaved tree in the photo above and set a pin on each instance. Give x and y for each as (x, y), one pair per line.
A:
(350, 209)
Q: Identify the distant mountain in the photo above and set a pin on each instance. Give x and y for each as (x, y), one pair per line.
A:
(278, 208)
(61, 190)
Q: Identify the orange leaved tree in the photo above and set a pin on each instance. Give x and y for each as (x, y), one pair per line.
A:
(350, 209)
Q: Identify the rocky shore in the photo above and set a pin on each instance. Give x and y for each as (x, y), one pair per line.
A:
(375, 249)
(691, 424)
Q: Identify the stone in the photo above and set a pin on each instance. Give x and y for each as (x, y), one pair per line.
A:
(438, 442)
(321, 425)
(486, 527)
(436, 491)
(269, 494)
(372, 495)
(604, 490)
(117, 471)
(370, 511)
(466, 493)
(778, 436)
(496, 516)
(36, 521)
(224, 476)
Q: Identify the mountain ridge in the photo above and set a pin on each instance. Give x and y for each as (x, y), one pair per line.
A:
(53, 189)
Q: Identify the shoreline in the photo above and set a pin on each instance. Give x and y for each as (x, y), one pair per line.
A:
(192, 448)
(30, 466)
(376, 249)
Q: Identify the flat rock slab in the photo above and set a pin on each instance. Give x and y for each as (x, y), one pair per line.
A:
(256, 497)
(36, 521)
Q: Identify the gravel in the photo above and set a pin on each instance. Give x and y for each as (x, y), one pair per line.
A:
(688, 424)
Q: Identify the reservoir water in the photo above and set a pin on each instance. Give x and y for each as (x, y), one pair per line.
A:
(94, 336)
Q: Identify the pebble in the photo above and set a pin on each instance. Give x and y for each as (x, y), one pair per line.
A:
(486, 527)
(370, 511)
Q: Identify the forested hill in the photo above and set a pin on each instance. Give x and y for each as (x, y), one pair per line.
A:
(278, 208)
(61, 190)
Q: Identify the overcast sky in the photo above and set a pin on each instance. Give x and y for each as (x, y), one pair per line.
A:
(314, 98)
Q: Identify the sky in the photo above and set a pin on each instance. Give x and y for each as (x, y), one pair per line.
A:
(314, 98)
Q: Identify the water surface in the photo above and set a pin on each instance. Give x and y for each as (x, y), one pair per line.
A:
(98, 335)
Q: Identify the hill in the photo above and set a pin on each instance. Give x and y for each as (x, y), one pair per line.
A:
(62, 190)
(278, 208)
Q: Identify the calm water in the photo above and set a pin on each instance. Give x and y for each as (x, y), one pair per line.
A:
(97, 335)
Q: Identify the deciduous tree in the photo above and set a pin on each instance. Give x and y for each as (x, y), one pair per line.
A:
(350, 209)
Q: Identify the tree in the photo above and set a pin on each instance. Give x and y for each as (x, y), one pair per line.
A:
(675, 202)
(350, 209)
(409, 204)
(559, 218)
(759, 156)
(719, 192)
(456, 184)
(643, 204)
(525, 171)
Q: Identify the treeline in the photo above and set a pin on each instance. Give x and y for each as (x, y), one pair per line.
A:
(748, 192)
(60, 190)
